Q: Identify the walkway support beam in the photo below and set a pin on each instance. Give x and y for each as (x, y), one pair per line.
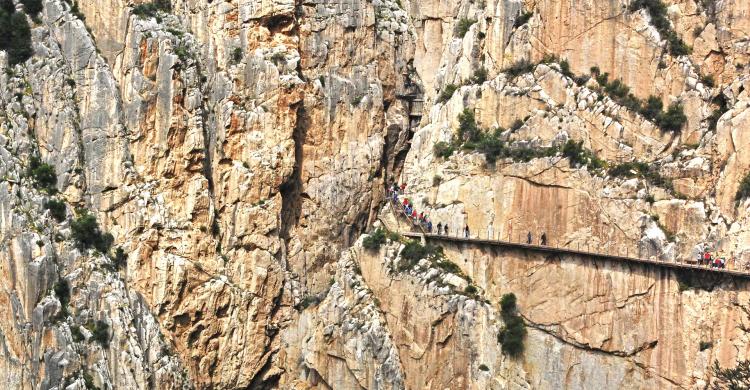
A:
(423, 237)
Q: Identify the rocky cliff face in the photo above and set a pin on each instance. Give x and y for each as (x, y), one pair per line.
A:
(237, 150)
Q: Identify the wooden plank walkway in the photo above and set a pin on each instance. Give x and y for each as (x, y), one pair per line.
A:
(568, 251)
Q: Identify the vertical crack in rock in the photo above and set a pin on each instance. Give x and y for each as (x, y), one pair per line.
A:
(291, 190)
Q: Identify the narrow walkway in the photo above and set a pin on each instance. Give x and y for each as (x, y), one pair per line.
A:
(568, 251)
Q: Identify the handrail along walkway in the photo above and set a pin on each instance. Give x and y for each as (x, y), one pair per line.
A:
(558, 250)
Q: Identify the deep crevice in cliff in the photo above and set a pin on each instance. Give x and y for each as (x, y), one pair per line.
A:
(291, 189)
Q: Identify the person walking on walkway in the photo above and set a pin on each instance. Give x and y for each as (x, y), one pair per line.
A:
(528, 238)
(445, 228)
(543, 238)
(429, 226)
(466, 231)
(440, 228)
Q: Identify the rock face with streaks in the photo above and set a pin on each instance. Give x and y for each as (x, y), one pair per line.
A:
(236, 152)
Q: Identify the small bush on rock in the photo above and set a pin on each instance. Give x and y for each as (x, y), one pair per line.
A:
(731, 378)
(56, 209)
(447, 93)
(519, 68)
(15, 36)
(522, 18)
(414, 251)
(100, 333)
(673, 118)
(374, 240)
(479, 76)
(86, 232)
(32, 7)
(62, 292)
(42, 174)
(463, 26)
(443, 149)
(512, 335)
(744, 190)
(121, 259)
(150, 10)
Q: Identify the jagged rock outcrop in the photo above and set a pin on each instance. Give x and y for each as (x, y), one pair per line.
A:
(237, 150)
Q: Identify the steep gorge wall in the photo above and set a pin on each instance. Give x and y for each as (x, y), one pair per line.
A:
(210, 148)
(235, 149)
(591, 323)
(645, 315)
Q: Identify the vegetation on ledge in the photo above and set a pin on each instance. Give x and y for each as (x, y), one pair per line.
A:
(42, 174)
(15, 34)
(463, 26)
(744, 190)
(470, 137)
(512, 334)
(378, 238)
(152, 9)
(658, 12)
(670, 120)
(86, 232)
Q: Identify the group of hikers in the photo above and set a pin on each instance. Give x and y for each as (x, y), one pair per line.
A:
(409, 210)
(705, 257)
(542, 239)
(423, 220)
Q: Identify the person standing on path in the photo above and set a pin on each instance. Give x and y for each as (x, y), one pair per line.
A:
(543, 238)
(466, 231)
(528, 238)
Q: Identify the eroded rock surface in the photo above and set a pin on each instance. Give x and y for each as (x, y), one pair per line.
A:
(237, 150)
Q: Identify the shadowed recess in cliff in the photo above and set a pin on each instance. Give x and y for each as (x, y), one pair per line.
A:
(291, 189)
(707, 281)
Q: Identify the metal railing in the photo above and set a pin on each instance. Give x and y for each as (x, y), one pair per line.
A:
(587, 252)
(398, 208)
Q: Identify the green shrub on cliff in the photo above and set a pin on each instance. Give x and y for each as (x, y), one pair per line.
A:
(463, 26)
(56, 209)
(744, 190)
(32, 7)
(374, 240)
(86, 232)
(15, 36)
(42, 174)
(512, 334)
(150, 10)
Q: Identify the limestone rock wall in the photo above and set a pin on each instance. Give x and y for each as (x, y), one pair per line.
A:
(47, 336)
(237, 150)
(216, 154)
(652, 319)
